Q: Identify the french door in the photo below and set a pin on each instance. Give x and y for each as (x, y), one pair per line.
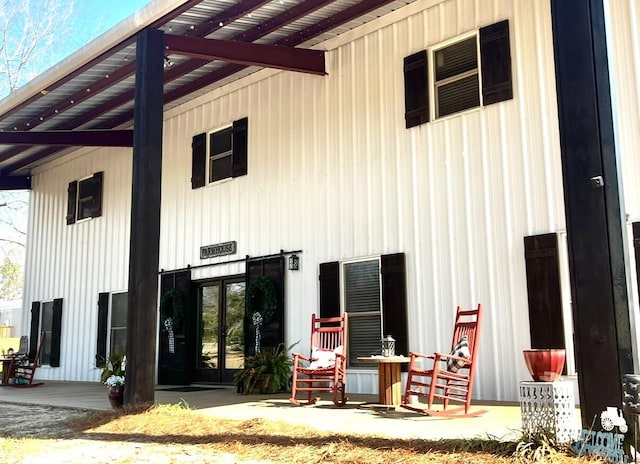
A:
(220, 331)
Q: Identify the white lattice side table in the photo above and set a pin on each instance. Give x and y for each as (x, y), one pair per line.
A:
(549, 407)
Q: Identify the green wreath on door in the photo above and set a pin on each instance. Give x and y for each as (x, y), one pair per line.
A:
(172, 306)
(262, 298)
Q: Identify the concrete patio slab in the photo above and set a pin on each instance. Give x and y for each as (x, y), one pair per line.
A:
(502, 420)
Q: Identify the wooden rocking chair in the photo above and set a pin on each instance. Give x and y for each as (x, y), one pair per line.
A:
(326, 368)
(451, 376)
(22, 369)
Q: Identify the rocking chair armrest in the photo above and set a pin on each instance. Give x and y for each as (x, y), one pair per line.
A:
(447, 356)
(414, 354)
(301, 356)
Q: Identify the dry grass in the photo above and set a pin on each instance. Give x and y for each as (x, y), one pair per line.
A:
(268, 441)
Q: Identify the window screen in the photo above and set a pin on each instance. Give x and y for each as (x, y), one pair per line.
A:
(362, 303)
(220, 154)
(457, 85)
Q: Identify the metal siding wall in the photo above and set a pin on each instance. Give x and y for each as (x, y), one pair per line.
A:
(333, 171)
(78, 261)
(623, 37)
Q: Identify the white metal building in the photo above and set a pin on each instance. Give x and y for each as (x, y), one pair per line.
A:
(333, 175)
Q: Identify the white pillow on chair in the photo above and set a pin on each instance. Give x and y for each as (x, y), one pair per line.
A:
(322, 359)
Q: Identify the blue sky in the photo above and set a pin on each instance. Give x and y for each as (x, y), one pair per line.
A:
(98, 16)
(90, 19)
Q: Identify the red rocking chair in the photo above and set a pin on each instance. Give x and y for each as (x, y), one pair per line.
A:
(326, 368)
(22, 369)
(450, 378)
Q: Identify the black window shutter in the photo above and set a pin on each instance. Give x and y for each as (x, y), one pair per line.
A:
(330, 289)
(240, 142)
(495, 57)
(416, 92)
(546, 325)
(96, 200)
(103, 327)
(394, 300)
(34, 333)
(198, 160)
(71, 202)
(56, 330)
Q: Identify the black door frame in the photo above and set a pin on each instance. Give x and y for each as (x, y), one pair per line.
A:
(221, 374)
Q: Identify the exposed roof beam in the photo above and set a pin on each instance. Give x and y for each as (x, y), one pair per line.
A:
(207, 27)
(15, 183)
(292, 14)
(250, 54)
(85, 138)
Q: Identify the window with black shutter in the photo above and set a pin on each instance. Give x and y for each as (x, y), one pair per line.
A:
(84, 199)
(219, 154)
(471, 72)
(373, 292)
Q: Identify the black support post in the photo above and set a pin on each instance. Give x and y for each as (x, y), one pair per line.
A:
(145, 219)
(592, 204)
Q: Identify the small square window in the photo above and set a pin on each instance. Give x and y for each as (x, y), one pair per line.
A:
(220, 154)
(456, 77)
(84, 199)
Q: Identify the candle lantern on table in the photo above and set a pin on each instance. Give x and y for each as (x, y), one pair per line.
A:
(388, 346)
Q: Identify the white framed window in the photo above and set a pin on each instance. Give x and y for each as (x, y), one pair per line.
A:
(362, 301)
(84, 199)
(118, 323)
(469, 71)
(456, 76)
(220, 154)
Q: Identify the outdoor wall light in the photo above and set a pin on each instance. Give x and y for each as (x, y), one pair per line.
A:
(294, 262)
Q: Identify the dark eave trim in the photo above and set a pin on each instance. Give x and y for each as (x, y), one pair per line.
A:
(84, 138)
(250, 54)
(15, 183)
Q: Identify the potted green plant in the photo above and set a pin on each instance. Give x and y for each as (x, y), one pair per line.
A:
(113, 376)
(265, 372)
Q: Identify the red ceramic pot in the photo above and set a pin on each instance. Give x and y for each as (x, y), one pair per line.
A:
(545, 365)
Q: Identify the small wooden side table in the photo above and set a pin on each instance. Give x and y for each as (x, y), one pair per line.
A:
(6, 367)
(389, 377)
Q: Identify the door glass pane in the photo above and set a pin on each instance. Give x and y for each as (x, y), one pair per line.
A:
(208, 357)
(234, 349)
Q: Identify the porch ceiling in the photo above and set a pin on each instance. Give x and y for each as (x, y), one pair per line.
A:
(94, 89)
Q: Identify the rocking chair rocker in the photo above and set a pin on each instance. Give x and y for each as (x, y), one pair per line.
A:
(451, 376)
(22, 369)
(326, 368)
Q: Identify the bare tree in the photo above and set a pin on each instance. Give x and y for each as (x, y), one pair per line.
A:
(13, 234)
(30, 35)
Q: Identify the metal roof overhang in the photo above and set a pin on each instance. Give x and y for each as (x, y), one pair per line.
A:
(88, 100)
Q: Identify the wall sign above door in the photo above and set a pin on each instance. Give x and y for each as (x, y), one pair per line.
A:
(219, 249)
